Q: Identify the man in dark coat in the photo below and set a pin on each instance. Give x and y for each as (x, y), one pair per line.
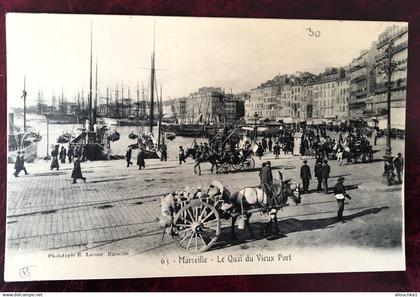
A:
(260, 150)
(20, 164)
(318, 174)
(399, 166)
(264, 144)
(266, 179)
(77, 171)
(181, 155)
(63, 155)
(140, 160)
(325, 172)
(305, 175)
(270, 144)
(276, 150)
(54, 161)
(340, 194)
(70, 153)
(128, 157)
(164, 153)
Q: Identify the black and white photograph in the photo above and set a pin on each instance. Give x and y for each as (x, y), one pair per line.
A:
(148, 146)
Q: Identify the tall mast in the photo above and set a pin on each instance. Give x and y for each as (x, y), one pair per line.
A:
(62, 101)
(122, 99)
(160, 115)
(152, 82)
(95, 110)
(83, 100)
(90, 81)
(117, 107)
(107, 101)
(138, 103)
(129, 101)
(24, 103)
(78, 101)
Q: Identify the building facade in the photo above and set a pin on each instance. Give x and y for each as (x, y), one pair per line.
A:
(362, 81)
(377, 102)
(263, 101)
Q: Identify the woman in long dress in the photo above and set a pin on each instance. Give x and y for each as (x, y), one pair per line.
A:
(140, 160)
(77, 171)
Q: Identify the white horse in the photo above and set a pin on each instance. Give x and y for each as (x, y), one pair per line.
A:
(248, 198)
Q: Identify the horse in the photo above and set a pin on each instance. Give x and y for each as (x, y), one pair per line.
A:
(249, 198)
(211, 158)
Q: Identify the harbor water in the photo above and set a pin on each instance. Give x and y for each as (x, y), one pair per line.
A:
(117, 148)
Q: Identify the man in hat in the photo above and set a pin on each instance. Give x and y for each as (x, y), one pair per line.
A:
(399, 165)
(128, 156)
(305, 175)
(77, 171)
(389, 169)
(318, 174)
(20, 164)
(266, 179)
(325, 172)
(340, 194)
(181, 155)
(54, 161)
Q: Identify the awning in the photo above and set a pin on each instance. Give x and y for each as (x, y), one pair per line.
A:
(317, 121)
(288, 120)
(397, 119)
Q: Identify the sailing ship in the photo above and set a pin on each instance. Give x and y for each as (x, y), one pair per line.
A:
(95, 136)
(24, 140)
(147, 142)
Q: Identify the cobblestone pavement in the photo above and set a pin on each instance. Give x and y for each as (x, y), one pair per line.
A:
(118, 206)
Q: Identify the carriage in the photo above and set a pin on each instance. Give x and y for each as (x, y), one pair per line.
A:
(235, 162)
(360, 152)
(193, 216)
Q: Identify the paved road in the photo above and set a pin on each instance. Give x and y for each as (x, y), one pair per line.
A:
(117, 208)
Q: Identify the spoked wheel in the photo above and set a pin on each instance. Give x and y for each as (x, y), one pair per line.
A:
(249, 163)
(224, 167)
(237, 166)
(196, 227)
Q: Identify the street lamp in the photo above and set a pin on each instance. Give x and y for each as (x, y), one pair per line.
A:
(388, 66)
(255, 126)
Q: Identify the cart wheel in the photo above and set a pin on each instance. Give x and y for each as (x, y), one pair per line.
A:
(249, 163)
(224, 168)
(365, 158)
(196, 227)
(237, 166)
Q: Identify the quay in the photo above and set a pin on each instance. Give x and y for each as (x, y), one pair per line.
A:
(117, 208)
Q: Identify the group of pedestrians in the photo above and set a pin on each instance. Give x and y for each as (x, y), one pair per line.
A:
(392, 164)
(140, 158)
(20, 164)
(321, 172)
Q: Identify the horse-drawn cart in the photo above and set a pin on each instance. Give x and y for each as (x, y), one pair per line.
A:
(235, 162)
(193, 216)
(360, 152)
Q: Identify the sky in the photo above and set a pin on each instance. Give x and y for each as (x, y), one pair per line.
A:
(52, 51)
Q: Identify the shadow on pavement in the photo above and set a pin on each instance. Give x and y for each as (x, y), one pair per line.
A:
(331, 189)
(287, 226)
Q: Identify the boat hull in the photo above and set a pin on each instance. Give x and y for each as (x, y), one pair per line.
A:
(31, 153)
(191, 130)
(58, 118)
(134, 123)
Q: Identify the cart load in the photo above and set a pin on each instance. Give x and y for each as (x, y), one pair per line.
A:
(191, 215)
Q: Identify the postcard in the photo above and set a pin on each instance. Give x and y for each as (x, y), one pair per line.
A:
(148, 146)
